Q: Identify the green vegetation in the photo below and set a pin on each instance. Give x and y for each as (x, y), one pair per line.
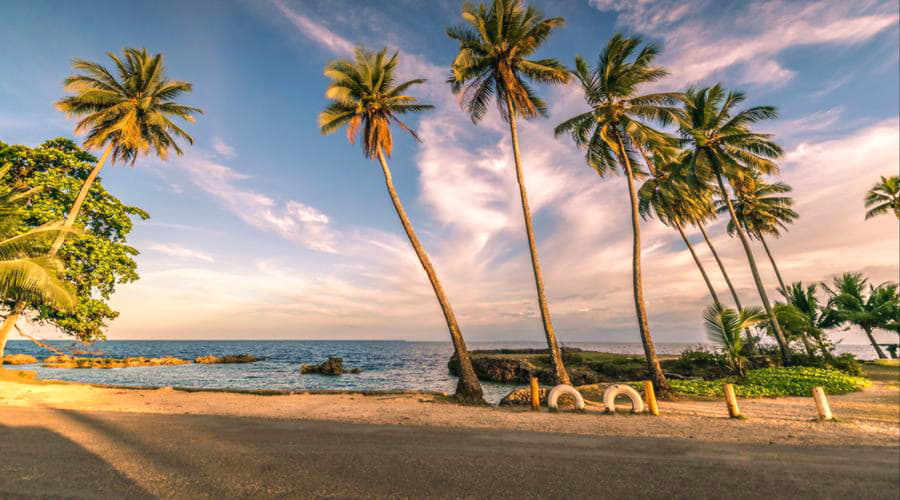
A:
(884, 197)
(875, 307)
(779, 381)
(724, 326)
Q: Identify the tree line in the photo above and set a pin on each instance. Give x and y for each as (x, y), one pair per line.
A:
(688, 157)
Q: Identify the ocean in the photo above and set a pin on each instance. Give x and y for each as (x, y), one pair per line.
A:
(385, 365)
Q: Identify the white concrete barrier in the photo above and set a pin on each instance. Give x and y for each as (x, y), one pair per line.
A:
(609, 398)
(561, 389)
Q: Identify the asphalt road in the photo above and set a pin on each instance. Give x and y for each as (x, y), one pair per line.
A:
(55, 453)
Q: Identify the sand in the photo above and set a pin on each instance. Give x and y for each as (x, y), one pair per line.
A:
(870, 417)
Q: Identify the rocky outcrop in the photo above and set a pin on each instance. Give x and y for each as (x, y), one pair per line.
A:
(129, 362)
(211, 359)
(514, 369)
(19, 359)
(334, 366)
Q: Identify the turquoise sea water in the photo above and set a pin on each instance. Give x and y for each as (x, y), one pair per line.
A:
(385, 365)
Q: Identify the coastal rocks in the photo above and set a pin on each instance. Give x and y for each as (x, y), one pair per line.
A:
(211, 359)
(19, 359)
(517, 369)
(129, 362)
(334, 366)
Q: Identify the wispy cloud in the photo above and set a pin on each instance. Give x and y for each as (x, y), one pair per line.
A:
(222, 148)
(315, 31)
(176, 250)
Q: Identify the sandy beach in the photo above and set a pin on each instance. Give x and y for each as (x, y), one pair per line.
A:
(867, 418)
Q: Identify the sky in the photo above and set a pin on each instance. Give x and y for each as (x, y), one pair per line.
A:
(265, 229)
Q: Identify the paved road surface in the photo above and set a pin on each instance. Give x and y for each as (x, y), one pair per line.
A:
(64, 453)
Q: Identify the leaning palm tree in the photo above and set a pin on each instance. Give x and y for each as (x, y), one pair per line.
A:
(27, 274)
(493, 61)
(724, 326)
(884, 197)
(366, 98)
(126, 112)
(817, 317)
(675, 204)
(724, 148)
(762, 210)
(869, 308)
(613, 132)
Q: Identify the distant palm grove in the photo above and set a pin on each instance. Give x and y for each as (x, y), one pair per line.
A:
(689, 158)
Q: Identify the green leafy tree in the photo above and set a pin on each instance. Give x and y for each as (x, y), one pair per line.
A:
(96, 259)
(724, 148)
(763, 210)
(884, 197)
(495, 46)
(366, 99)
(724, 326)
(816, 317)
(856, 302)
(614, 131)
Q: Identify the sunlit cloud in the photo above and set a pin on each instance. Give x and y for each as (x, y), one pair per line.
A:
(176, 250)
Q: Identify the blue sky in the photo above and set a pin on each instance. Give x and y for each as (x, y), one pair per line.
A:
(266, 229)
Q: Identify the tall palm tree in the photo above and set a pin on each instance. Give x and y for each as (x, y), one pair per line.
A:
(127, 112)
(675, 204)
(724, 326)
(762, 211)
(493, 61)
(724, 148)
(27, 274)
(366, 98)
(884, 197)
(613, 133)
(868, 308)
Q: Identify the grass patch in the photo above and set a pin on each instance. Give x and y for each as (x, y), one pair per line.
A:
(773, 382)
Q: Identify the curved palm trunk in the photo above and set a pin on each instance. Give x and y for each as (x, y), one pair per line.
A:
(712, 249)
(772, 260)
(468, 389)
(712, 291)
(779, 335)
(874, 342)
(806, 345)
(560, 374)
(656, 373)
(19, 306)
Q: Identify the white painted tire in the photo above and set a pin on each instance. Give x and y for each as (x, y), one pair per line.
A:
(609, 398)
(561, 389)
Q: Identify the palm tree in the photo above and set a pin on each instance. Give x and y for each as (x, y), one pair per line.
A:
(884, 197)
(613, 132)
(365, 98)
(723, 147)
(494, 47)
(27, 274)
(762, 211)
(724, 326)
(817, 318)
(128, 112)
(674, 203)
(875, 307)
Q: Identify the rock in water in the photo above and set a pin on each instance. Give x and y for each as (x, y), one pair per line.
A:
(334, 366)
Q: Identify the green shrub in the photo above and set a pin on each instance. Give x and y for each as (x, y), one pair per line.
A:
(780, 381)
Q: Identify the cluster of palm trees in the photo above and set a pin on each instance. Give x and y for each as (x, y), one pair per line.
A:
(687, 158)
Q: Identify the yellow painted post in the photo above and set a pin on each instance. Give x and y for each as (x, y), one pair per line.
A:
(731, 401)
(822, 404)
(650, 396)
(535, 395)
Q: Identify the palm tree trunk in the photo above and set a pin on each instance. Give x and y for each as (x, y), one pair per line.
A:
(774, 265)
(468, 389)
(560, 374)
(656, 373)
(806, 345)
(6, 328)
(712, 291)
(734, 295)
(779, 335)
(874, 342)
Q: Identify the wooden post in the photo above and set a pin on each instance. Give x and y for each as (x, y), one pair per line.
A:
(731, 401)
(822, 404)
(650, 396)
(535, 395)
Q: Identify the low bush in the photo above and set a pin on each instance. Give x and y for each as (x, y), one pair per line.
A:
(846, 363)
(779, 381)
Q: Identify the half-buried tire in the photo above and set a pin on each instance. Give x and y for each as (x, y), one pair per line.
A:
(609, 398)
(556, 392)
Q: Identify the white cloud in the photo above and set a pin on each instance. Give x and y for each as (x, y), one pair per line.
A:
(222, 148)
(315, 31)
(176, 250)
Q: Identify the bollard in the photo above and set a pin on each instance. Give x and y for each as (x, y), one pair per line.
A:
(535, 395)
(822, 404)
(731, 401)
(650, 396)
